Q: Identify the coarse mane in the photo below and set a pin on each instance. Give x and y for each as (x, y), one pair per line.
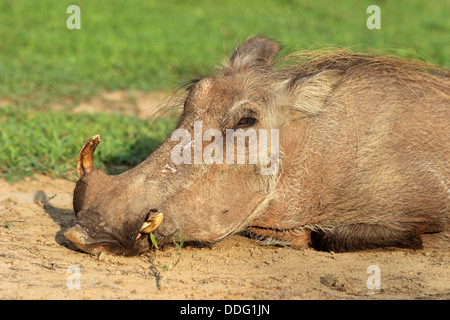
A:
(306, 63)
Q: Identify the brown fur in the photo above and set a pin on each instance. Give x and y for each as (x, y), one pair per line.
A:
(364, 178)
(364, 159)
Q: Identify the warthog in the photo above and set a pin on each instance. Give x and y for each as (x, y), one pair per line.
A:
(362, 160)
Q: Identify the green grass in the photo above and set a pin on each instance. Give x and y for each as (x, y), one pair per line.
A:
(159, 45)
(48, 142)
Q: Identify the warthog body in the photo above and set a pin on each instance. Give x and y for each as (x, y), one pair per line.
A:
(364, 150)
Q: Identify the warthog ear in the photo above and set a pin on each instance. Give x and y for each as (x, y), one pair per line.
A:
(308, 94)
(255, 52)
(85, 160)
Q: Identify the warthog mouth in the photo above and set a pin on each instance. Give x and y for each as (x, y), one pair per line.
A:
(83, 240)
(80, 239)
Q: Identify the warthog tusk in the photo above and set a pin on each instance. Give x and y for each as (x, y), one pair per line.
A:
(85, 159)
(152, 224)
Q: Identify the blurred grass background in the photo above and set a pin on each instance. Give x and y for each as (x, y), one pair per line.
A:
(160, 45)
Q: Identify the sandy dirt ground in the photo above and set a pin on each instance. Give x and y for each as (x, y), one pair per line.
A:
(37, 262)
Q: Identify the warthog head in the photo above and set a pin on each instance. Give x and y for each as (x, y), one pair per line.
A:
(324, 159)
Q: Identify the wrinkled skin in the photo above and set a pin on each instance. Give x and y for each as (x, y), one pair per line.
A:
(364, 161)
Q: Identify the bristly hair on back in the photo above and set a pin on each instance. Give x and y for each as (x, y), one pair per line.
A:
(306, 63)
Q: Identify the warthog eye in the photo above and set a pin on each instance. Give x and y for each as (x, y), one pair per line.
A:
(245, 123)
